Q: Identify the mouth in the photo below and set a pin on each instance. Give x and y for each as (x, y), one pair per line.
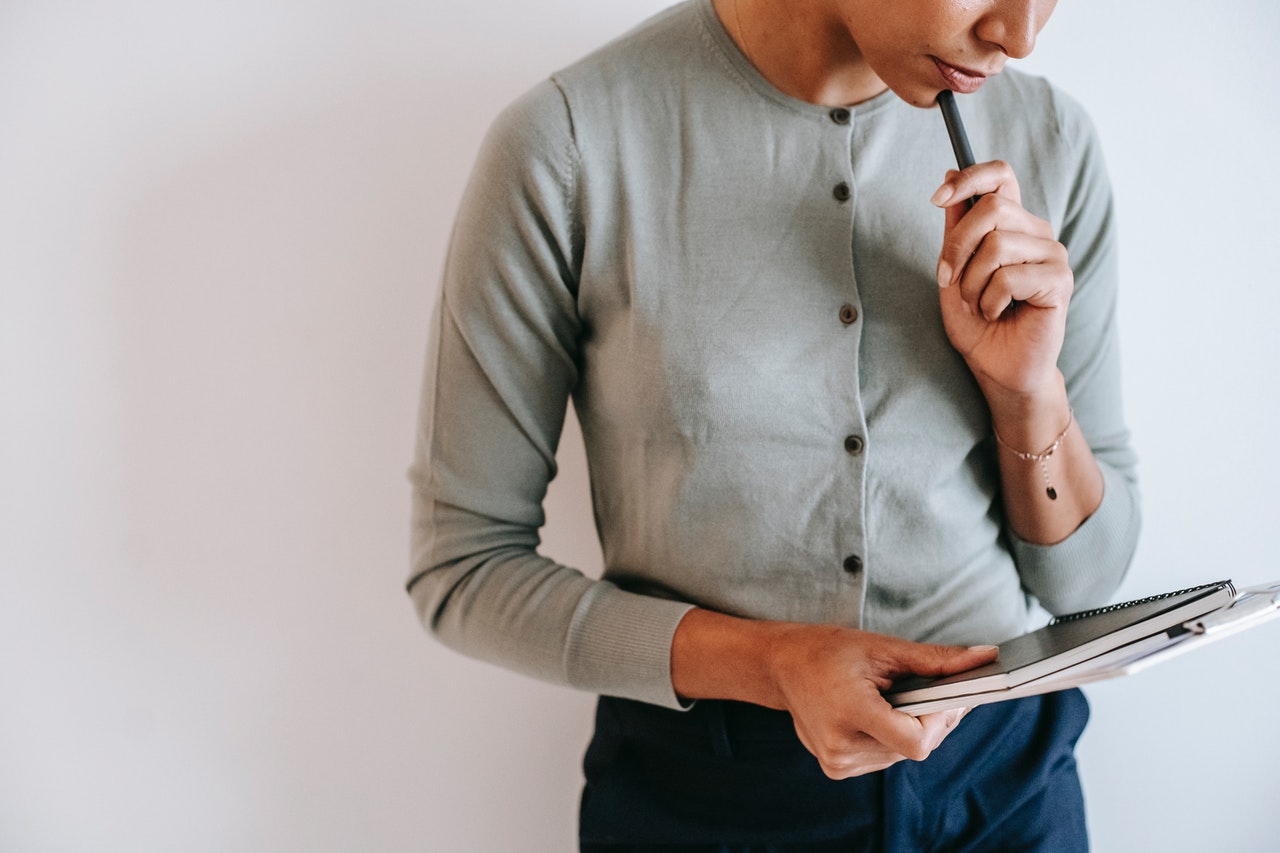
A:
(962, 81)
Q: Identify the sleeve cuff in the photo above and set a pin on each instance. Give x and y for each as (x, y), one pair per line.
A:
(620, 645)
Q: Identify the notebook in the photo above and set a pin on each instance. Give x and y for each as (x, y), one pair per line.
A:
(1074, 649)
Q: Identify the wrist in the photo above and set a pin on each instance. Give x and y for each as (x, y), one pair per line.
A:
(715, 656)
(1029, 421)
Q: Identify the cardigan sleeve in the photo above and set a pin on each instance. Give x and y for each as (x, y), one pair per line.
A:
(503, 358)
(1085, 569)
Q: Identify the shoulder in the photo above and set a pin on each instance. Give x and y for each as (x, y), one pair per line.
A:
(1016, 101)
(528, 145)
(537, 120)
(627, 82)
(668, 67)
(660, 46)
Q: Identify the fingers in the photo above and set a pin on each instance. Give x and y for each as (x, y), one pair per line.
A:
(887, 737)
(852, 755)
(916, 737)
(1009, 267)
(967, 231)
(912, 737)
(993, 178)
(938, 726)
(997, 252)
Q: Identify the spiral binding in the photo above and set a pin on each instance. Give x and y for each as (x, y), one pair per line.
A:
(1111, 608)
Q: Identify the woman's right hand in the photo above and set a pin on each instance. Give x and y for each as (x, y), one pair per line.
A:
(829, 678)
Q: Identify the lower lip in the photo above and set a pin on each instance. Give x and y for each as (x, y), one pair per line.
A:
(956, 80)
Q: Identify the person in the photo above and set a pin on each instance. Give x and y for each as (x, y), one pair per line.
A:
(849, 414)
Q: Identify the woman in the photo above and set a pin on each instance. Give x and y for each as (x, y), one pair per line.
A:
(835, 435)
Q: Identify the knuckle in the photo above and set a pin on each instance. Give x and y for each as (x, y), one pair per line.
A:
(1005, 172)
(1001, 281)
(834, 770)
(1061, 255)
(939, 656)
(837, 764)
(833, 751)
(1006, 208)
(918, 751)
(952, 247)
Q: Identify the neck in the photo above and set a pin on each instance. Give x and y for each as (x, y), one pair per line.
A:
(802, 47)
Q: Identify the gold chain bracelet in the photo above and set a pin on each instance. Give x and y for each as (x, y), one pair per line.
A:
(1043, 456)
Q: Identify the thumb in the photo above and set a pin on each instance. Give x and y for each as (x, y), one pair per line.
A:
(954, 214)
(949, 198)
(926, 659)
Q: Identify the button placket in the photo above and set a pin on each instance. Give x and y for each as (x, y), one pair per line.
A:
(854, 444)
(842, 117)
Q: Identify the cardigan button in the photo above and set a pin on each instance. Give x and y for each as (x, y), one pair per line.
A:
(839, 115)
(853, 564)
(848, 314)
(842, 192)
(853, 444)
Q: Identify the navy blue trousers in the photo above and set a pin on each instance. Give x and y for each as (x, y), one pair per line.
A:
(734, 778)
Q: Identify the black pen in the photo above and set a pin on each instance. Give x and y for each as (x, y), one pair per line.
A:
(955, 130)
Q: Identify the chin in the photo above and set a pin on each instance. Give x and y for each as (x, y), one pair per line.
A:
(916, 96)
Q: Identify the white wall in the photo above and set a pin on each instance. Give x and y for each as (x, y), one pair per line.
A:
(1183, 757)
(221, 225)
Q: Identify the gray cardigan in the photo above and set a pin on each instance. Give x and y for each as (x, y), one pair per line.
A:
(737, 290)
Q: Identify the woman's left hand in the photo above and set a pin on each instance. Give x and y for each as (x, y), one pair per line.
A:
(1005, 282)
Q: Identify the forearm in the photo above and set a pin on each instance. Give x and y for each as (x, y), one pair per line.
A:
(1050, 480)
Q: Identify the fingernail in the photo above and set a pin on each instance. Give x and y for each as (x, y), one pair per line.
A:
(942, 196)
(944, 273)
(983, 648)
